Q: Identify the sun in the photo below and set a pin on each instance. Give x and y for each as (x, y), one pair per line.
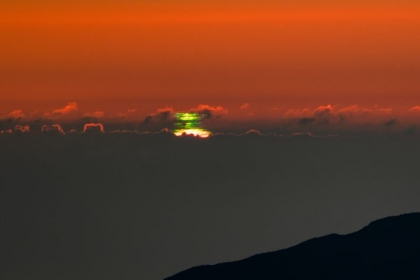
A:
(190, 124)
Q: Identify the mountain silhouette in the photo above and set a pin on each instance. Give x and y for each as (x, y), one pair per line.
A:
(388, 248)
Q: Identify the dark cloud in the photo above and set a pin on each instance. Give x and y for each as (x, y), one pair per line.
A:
(411, 130)
(88, 119)
(329, 114)
(303, 135)
(161, 115)
(7, 124)
(390, 123)
(306, 121)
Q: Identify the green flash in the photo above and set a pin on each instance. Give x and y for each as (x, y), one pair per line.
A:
(188, 117)
(189, 123)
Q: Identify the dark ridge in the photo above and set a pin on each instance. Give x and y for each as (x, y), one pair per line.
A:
(388, 248)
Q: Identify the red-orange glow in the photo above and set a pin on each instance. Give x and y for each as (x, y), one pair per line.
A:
(109, 58)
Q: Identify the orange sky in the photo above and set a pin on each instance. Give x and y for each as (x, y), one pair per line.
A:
(115, 57)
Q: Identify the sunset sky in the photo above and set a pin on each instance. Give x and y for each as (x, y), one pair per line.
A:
(305, 116)
(255, 59)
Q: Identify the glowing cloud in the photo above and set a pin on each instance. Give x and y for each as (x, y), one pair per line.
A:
(253, 132)
(70, 108)
(93, 127)
(209, 112)
(96, 114)
(22, 128)
(53, 127)
(17, 114)
(349, 110)
(415, 109)
(296, 113)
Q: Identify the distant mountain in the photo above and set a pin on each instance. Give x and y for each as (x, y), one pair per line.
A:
(385, 249)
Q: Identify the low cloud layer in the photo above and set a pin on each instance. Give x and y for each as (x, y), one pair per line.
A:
(322, 120)
(328, 114)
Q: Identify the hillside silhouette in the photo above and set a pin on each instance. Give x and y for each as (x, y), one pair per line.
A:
(388, 248)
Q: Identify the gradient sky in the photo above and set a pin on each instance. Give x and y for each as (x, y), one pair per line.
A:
(90, 205)
(143, 55)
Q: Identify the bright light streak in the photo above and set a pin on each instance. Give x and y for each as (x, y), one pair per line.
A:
(196, 132)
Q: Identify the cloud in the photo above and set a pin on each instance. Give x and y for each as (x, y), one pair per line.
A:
(96, 114)
(244, 106)
(93, 127)
(353, 109)
(327, 108)
(306, 121)
(6, 124)
(390, 123)
(69, 108)
(126, 113)
(415, 109)
(161, 115)
(330, 114)
(17, 114)
(210, 112)
(411, 130)
(375, 110)
(297, 113)
(22, 128)
(323, 111)
(303, 134)
(252, 133)
(382, 110)
(307, 116)
(52, 128)
(165, 111)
